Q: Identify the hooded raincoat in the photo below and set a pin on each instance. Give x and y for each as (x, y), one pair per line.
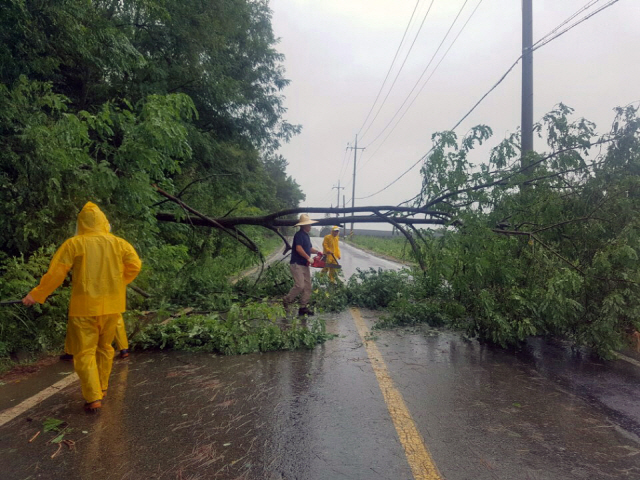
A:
(331, 248)
(102, 265)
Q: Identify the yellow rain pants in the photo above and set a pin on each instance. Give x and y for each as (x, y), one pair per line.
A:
(121, 336)
(103, 265)
(331, 248)
(89, 341)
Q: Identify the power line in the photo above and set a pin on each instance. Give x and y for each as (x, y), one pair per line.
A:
(611, 2)
(401, 67)
(390, 66)
(607, 5)
(424, 84)
(344, 162)
(451, 129)
(421, 75)
(567, 20)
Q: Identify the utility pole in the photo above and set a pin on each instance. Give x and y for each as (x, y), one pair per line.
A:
(338, 202)
(344, 205)
(526, 124)
(353, 191)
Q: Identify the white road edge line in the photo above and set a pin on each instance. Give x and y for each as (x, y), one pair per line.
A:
(627, 359)
(11, 413)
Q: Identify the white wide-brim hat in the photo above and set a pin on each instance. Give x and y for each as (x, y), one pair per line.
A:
(305, 220)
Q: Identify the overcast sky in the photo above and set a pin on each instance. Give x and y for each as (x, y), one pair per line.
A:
(338, 53)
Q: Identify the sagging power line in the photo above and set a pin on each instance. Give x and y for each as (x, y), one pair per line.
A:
(421, 88)
(400, 70)
(390, 66)
(421, 75)
(535, 47)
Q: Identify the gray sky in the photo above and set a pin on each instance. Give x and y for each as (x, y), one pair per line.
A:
(338, 53)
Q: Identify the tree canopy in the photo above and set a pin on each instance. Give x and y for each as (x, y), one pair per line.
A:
(100, 100)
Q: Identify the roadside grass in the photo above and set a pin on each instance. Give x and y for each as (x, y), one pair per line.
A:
(394, 247)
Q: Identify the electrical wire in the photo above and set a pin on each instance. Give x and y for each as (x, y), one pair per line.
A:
(390, 66)
(451, 129)
(401, 67)
(344, 163)
(424, 84)
(607, 5)
(567, 20)
(423, 157)
(421, 75)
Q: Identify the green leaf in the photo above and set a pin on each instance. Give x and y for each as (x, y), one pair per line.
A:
(52, 424)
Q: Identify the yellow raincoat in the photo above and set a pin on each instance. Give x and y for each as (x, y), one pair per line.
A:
(103, 265)
(331, 248)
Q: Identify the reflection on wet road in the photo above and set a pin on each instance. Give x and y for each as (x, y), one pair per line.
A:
(546, 412)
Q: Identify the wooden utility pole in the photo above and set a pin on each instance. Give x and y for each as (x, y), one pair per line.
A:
(338, 200)
(344, 205)
(353, 190)
(526, 124)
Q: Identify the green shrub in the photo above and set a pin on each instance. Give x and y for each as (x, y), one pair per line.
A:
(327, 296)
(411, 312)
(34, 329)
(275, 281)
(248, 329)
(376, 289)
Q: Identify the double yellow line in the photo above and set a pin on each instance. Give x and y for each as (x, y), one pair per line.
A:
(416, 451)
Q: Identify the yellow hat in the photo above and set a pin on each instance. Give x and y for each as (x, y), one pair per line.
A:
(335, 228)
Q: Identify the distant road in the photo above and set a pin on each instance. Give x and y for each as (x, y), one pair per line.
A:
(354, 258)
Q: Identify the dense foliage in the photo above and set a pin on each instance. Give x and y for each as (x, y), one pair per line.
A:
(551, 248)
(243, 329)
(100, 101)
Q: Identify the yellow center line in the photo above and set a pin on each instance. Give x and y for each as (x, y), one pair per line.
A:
(416, 451)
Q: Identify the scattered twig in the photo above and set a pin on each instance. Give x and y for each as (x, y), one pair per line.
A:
(57, 451)
(35, 436)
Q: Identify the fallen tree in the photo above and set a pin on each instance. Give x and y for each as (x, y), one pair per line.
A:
(454, 187)
(394, 215)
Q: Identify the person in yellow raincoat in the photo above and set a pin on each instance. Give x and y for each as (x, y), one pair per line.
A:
(121, 341)
(103, 265)
(331, 248)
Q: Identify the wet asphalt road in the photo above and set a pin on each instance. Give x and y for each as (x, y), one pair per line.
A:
(546, 412)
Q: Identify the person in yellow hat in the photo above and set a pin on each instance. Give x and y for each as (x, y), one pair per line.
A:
(331, 248)
(103, 265)
(301, 251)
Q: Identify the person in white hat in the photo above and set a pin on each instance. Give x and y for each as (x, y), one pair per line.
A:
(331, 249)
(301, 251)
